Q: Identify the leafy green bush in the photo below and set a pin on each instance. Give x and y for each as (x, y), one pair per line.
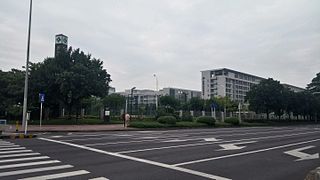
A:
(146, 124)
(232, 120)
(186, 117)
(206, 120)
(167, 120)
(189, 124)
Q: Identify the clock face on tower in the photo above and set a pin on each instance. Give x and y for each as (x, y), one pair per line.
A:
(61, 39)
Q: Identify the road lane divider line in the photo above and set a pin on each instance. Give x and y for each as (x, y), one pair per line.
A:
(26, 171)
(58, 175)
(163, 165)
(29, 164)
(24, 159)
(7, 146)
(19, 155)
(245, 153)
(211, 143)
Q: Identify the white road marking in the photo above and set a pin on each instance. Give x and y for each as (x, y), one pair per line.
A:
(56, 136)
(211, 139)
(29, 164)
(25, 171)
(15, 148)
(99, 178)
(189, 171)
(59, 175)
(245, 153)
(210, 143)
(301, 155)
(233, 146)
(176, 140)
(7, 146)
(18, 151)
(18, 155)
(24, 159)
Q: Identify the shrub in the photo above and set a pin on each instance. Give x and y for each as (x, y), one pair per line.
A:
(144, 124)
(206, 120)
(232, 120)
(167, 120)
(186, 117)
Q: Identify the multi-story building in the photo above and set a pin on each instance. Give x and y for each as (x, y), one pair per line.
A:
(183, 95)
(144, 96)
(226, 82)
(233, 84)
(293, 88)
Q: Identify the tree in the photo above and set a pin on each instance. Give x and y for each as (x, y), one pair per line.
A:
(11, 93)
(314, 86)
(169, 101)
(266, 97)
(114, 102)
(68, 79)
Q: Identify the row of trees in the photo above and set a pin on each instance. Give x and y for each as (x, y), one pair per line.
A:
(269, 96)
(68, 81)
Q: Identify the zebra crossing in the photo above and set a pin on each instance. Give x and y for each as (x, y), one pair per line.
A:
(18, 162)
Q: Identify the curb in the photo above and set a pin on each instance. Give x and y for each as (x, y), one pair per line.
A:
(18, 136)
(314, 174)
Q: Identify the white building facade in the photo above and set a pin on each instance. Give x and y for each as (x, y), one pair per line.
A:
(226, 82)
(233, 84)
(182, 95)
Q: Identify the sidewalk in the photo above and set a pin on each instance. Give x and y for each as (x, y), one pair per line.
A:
(73, 128)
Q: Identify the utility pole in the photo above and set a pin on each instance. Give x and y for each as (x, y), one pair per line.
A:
(154, 75)
(25, 97)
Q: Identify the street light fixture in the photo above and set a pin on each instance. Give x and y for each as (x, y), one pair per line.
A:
(25, 96)
(131, 99)
(155, 76)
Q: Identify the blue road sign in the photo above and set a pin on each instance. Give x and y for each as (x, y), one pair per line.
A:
(41, 97)
(214, 105)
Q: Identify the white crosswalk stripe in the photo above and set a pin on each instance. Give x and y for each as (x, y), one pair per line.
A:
(29, 164)
(18, 155)
(15, 148)
(25, 171)
(14, 156)
(19, 151)
(56, 176)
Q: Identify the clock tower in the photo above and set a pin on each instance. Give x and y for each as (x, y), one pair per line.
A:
(61, 44)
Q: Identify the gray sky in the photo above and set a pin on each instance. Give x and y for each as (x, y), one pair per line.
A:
(174, 39)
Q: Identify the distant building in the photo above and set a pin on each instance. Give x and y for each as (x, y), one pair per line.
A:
(183, 95)
(226, 82)
(294, 88)
(61, 44)
(233, 84)
(111, 90)
(140, 97)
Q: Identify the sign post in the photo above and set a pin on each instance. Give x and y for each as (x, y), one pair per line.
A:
(239, 107)
(41, 98)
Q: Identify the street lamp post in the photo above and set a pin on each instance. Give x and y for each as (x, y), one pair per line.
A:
(131, 100)
(155, 76)
(25, 97)
(225, 103)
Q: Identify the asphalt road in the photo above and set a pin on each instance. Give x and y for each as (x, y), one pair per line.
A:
(264, 153)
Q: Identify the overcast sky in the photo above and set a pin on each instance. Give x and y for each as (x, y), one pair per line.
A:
(175, 39)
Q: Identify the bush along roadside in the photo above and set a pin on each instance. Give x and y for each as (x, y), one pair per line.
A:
(233, 120)
(167, 120)
(210, 121)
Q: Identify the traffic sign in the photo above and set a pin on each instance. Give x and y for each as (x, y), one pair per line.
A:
(41, 97)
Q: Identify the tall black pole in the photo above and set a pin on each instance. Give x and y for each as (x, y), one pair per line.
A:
(25, 97)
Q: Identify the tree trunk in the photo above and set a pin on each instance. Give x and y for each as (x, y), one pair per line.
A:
(267, 114)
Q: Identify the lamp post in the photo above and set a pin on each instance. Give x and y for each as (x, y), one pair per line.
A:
(225, 103)
(25, 96)
(131, 99)
(156, 78)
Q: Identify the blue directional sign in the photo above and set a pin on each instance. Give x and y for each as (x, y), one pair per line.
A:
(214, 105)
(41, 97)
